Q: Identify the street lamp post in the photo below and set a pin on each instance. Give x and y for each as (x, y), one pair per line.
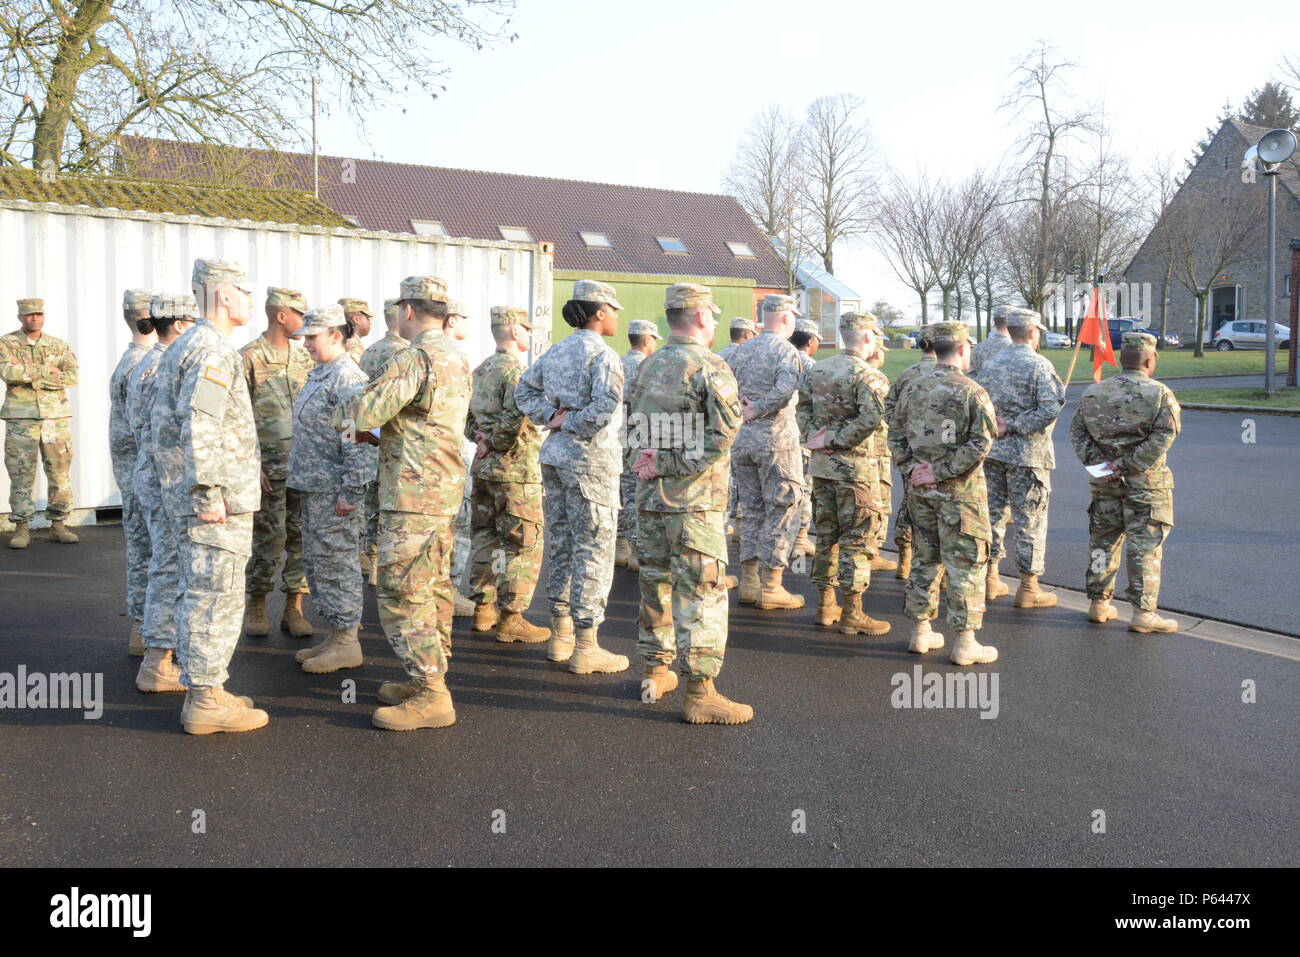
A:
(1274, 148)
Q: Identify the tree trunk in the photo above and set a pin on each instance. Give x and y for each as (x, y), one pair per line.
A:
(947, 301)
(1202, 310)
(1164, 300)
(925, 309)
(69, 65)
(975, 298)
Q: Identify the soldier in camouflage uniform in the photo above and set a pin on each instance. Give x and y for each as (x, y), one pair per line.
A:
(419, 403)
(742, 330)
(897, 389)
(358, 314)
(372, 363)
(506, 499)
(944, 427)
(682, 498)
(574, 391)
(766, 461)
(1027, 396)
(37, 370)
(122, 454)
(994, 342)
(170, 316)
(1129, 421)
(807, 340)
(642, 335)
(330, 471)
(205, 442)
(841, 411)
(462, 539)
(884, 460)
(276, 365)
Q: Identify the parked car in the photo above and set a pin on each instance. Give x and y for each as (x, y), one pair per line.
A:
(1249, 334)
(1167, 341)
(1056, 340)
(1117, 327)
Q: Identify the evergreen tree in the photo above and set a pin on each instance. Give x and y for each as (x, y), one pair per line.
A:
(1270, 106)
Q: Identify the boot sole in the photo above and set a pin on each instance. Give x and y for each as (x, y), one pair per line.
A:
(509, 639)
(967, 662)
(440, 721)
(715, 719)
(1035, 604)
(598, 671)
(257, 632)
(762, 606)
(193, 728)
(156, 689)
(873, 632)
(1153, 631)
(324, 671)
(828, 622)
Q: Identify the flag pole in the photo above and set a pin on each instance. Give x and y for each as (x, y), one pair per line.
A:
(1078, 344)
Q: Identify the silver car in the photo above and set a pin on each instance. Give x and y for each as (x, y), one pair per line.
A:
(1056, 340)
(1249, 334)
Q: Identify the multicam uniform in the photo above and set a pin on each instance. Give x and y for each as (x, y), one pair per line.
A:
(897, 389)
(122, 451)
(38, 421)
(372, 363)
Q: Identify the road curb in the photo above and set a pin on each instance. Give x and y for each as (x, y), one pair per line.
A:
(1203, 407)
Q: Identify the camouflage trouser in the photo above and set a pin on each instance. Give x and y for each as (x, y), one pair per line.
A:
(506, 557)
(683, 557)
(887, 501)
(372, 515)
(210, 616)
(951, 536)
(847, 528)
(1023, 492)
(461, 547)
(1140, 519)
(135, 532)
(50, 441)
(581, 535)
(329, 552)
(903, 522)
(627, 514)
(163, 592)
(768, 484)
(415, 590)
(806, 496)
(277, 534)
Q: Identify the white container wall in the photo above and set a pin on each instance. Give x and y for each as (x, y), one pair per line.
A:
(80, 259)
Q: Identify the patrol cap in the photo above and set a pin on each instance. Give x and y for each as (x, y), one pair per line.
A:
(948, 332)
(589, 290)
(351, 306)
(390, 306)
(28, 307)
(456, 308)
(851, 321)
(643, 327)
(775, 302)
(286, 298)
(690, 295)
(137, 300)
(1024, 317)
(173, 305)
(1001, 312)
(808, 327)
(1139, 342)
(740, 322)
(322, 318)
(429, 288)
(209, 272)
(510, 316)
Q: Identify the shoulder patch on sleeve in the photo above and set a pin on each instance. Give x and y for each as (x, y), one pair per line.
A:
(217, 375)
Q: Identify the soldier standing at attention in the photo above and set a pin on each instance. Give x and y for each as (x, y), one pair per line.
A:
(358, 314)
(766, 460)
(419, 402)
(37, 370)
(506, 500)
(841, 407)
(994, 342)
(682, 500)
(1027, 396)
(122, 453)
(1129, 421)
(642, 336)
(206, 444)
(945, 427)
(742, 330)
(462, 539)
(884, 461)
(276, 366)
(806, 341)
(574, 391)
(372, 363)
(330, 471)
(899, 387)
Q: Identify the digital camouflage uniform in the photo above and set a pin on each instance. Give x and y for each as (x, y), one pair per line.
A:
(419, 401)
(506, 499)
(627, 479)
(1028, 394)
(682, 546)
(274, 379)
(806, 365)
(946, 419)
(326, 468)
(372, 363)
(162, 592)
(38, 421)
(897, 389)
(581, 464)
(122, 451)
(884, 461)
(984, 350)
(1131, 420)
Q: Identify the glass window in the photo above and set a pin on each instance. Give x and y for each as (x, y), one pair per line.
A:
(669, 245)
(424, 227)
(741, 250)
(599, 240)
(515, 234)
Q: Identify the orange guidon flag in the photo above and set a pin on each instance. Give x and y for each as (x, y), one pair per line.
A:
(1094, 332)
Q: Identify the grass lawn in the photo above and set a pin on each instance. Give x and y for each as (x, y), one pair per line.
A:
(1172, 363)
(1284, 399)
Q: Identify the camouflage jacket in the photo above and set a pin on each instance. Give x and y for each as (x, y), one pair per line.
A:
(1132, 420)
(356, 348)
(806, 363)
(204, 437)
(687, 406)
(726, 353)
(986, 349)
(274, 381)
(768, 371)
(839, 393)
(375, 357)
(320, 459)
(513, 439)
(582, 374)
(945, 419)
(419, 403)
(631, 362)
(37, 375)
(1029, 395)
(141, 390)
(904, 382)
(121, 439)
(880, 441)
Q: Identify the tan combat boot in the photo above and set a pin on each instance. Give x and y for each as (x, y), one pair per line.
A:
(343, 652)
(1101, 611)
(302, 654)
(1029, 595)
(731, 582)
(923, 639)
(515, 627)
(431, 707)
(828, 609)
(750, 585)
(462, 607)
(802, 546)
(855, 621)
(367, 568)
(135, 644)
(658, 680)
(703, 705)
(882, 564)
(968, 651)
(632, 564)
(622, 551)
(255, 623)
(215, 709)
(159, 671)
(485, 617)
(993, 587)
(904, 562)
(372, 557)
(292, 621)
(21, 537)
(561, 646)
(395, 692)
(773, 595)
(589, 657)
(1148, 622)
(59, 533)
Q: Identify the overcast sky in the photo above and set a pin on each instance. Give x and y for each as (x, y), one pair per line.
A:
(657, 94)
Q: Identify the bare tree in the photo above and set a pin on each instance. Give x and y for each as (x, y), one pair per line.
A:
(905, 234)
(839, 160)
(964, 216)
(1162, 183)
